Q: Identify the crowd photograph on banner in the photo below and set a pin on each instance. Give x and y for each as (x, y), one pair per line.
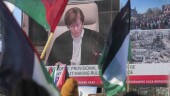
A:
(150, 50)
(85, 47)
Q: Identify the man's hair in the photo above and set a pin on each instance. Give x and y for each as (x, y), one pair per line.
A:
(72, 15)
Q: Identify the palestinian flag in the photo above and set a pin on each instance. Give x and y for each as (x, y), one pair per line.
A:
(62, 78)
(19, 59)
(112, 64)
(45, 12)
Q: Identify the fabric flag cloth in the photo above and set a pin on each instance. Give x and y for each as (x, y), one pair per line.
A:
(54, 73)
(19, 59)
(45, 12)
(59, 81)
(50, 70)
(112, 63)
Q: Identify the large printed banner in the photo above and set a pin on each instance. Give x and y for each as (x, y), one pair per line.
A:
(148, 73)
(84, 74)
(144, 73)
(150, 56)
(149, 61)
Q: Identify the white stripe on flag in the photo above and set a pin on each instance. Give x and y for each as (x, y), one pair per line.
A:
(39, 77)
(116, 71)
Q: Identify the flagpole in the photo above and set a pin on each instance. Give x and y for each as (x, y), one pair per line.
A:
(46, 45)
(128, 79)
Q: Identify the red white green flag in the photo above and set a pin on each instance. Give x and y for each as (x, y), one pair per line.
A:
(62, 78)
(114, 59)
(45, 12)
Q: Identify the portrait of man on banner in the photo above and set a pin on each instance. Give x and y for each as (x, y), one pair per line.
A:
(78, 45)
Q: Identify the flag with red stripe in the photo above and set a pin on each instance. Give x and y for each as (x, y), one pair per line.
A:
(45, 12)
(60, 80)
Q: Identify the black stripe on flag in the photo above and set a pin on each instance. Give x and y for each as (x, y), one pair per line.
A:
(118, 32)
(18, 53)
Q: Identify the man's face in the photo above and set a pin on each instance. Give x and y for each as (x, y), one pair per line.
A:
(76, 28)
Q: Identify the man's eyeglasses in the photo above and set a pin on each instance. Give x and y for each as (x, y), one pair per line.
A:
(77, 25)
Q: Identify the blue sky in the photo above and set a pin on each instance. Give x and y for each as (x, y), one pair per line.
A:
(143, 5)
(15, 11)
(17, 15)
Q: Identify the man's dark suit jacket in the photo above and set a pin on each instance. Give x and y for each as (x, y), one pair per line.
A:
(92, 45)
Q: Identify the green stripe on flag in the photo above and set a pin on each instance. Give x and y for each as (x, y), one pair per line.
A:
(34, 8)
(111, 89)
(42, 77)
(46, 74)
